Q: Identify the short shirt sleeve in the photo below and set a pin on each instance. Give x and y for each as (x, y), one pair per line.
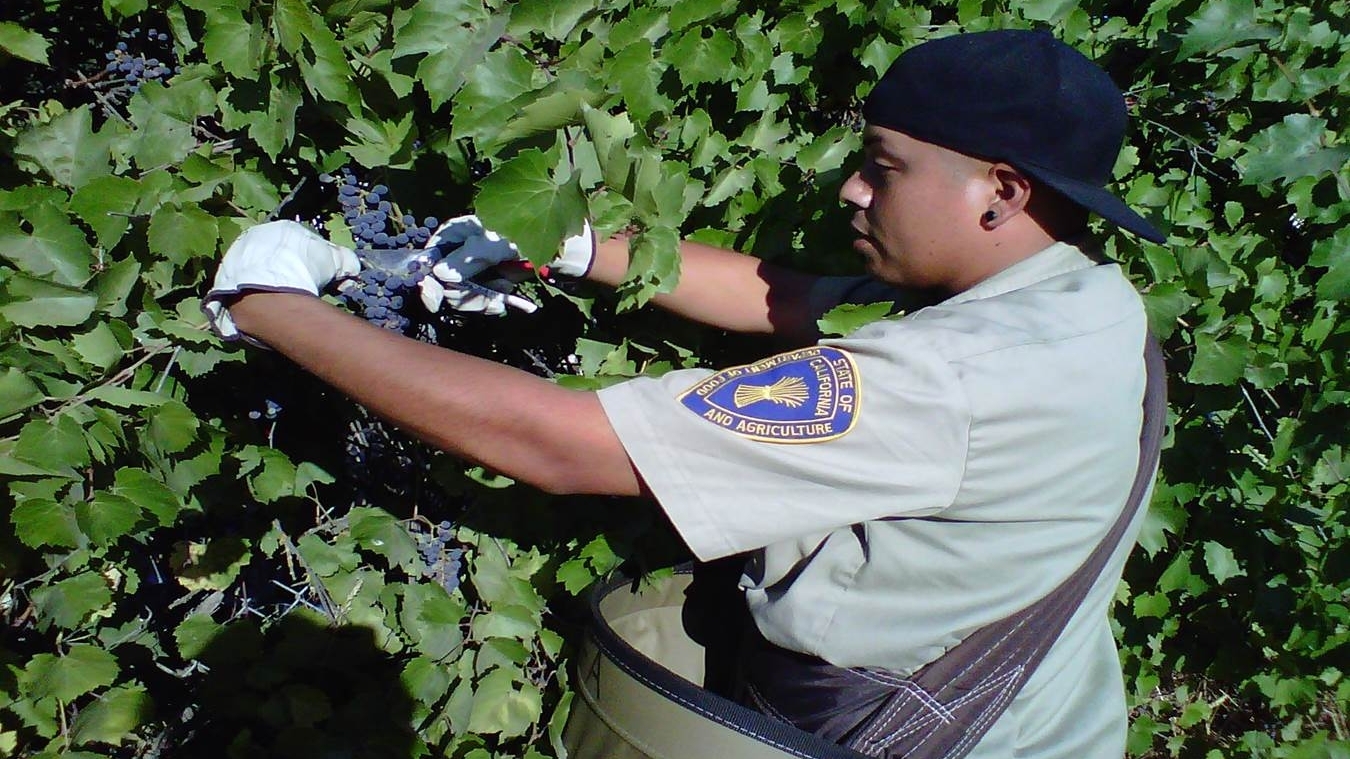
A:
(828, 292)
(798, 443)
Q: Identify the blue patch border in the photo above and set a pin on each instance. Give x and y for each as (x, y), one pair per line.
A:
(824, 366)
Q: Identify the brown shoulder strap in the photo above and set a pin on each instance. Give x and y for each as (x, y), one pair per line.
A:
(944, 709)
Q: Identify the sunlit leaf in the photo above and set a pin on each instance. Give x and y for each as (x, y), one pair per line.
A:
(524, 202)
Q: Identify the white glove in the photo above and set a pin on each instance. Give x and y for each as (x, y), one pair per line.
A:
(481, 248)
(279, 256)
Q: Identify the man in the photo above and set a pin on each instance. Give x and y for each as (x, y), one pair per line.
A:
(898, 488)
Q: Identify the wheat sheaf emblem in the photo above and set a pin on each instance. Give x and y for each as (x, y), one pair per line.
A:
(787, 391)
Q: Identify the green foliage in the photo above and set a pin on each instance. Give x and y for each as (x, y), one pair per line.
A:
(846, 317)
(180, 575)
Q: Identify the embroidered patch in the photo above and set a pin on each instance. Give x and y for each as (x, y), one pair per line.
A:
(803, 396)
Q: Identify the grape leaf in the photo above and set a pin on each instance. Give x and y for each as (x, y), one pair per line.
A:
(1154, 605)
(209, 566)
(434, 27)
(113, 717)
(1165, 302)
(182, 234)
(277, 130)
(637, 73)
(23, 43)
(125, 397)
(330, 75)
(523, 202)
(554, 18)
(43, 522)
(309, 473)
(1222, 24)
(501, 705)
(124, 8)
(17, 392)
(731, 182)
(444, 72)
(555, 106)
(68, 148)
(38, 302)
(1333, 253)
(426, 680)
(575, 575)
(698, 58)
(1218, 361)
(54, 249)
(68, 602)
(232, 42)
(847, 317)
(432, 619)
(828, 151)
(376, 530)
(1293, 149)
(378, 142)
(141, 488)
(106, 204)
(688, 12)
(52, 442)
(506, 621)
(486, 99)
(1047, 10)
(82, 669)
(275, 479)
(610, 134)
(1221, 563)
(99, 346)
(194, 634)
(106, 517)
(160, 139)
(653, 266)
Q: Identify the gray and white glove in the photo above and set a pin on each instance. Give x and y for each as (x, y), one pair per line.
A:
(480, 249)
(279, 256)
(491, 297)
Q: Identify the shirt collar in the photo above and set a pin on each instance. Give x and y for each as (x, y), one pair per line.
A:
(1059, 258)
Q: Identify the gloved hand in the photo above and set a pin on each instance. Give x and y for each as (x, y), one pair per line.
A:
(279, 256)
(490, 298)
(479, 249)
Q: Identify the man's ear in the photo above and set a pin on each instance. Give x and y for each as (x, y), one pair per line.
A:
(1012, 193)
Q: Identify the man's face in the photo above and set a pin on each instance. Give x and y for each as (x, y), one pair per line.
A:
(918, 207)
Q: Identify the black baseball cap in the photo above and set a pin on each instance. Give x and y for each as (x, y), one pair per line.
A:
(1017, 96)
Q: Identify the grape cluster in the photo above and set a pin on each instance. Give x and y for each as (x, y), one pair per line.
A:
(383, 295)
(128, 59)
(442, 561)
(374, 221)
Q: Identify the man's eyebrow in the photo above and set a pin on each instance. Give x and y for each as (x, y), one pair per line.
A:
(877, 144)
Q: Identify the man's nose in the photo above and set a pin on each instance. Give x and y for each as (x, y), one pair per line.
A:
(856, 191)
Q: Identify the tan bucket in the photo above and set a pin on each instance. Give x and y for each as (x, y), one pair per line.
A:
(638, 688)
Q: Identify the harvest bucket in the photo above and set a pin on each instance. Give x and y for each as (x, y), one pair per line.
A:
(639, 691)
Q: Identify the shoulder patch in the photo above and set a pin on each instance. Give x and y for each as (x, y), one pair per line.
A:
(803, 396)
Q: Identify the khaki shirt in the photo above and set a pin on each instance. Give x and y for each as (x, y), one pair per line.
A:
(926, 475)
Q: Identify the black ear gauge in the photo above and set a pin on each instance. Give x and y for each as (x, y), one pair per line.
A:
(989, 216)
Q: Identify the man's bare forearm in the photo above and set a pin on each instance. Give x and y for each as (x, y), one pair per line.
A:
(508, 420)
(725, 289)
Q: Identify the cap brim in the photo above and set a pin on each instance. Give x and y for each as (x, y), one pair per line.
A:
(1100, 202)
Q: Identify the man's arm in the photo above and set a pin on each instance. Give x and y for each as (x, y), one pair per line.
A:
(513, 422)
(724, 289)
